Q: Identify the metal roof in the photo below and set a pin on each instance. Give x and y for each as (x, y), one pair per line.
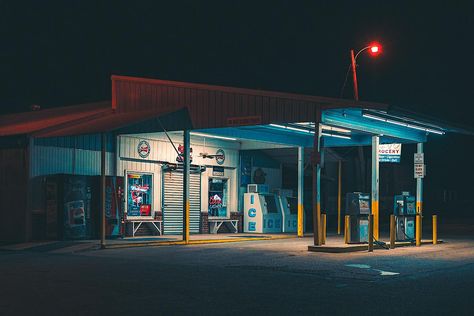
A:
(31, 122)
(213, 106)
(138, 102)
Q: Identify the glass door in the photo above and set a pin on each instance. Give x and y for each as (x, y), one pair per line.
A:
(218, 195)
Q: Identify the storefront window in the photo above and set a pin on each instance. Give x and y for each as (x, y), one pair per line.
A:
(139, 194)
(218, 192)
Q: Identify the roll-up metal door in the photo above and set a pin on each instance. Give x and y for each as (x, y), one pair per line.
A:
(173, 202)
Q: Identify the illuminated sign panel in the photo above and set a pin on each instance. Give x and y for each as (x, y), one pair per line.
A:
(390, 153)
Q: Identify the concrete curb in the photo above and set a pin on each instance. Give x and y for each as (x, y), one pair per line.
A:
(192, 242)
(363, 247)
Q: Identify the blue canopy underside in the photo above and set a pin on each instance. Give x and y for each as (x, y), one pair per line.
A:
(362, 130)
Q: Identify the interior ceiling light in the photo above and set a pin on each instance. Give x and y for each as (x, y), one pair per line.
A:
(212, 136)
(386, 120)
(293, 128)
(325, 127)
(335, 135)
(335, 129)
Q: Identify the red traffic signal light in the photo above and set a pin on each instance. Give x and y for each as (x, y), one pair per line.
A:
(375, 49)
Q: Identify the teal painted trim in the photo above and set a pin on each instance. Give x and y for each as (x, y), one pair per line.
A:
(353, 119)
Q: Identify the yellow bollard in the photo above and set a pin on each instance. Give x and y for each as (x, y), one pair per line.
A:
(347, 231)
(418, 230)
(392, 231)
(371, 233)
(323, 220)
(435, 229)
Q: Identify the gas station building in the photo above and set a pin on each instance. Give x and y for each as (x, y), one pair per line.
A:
(60, 169)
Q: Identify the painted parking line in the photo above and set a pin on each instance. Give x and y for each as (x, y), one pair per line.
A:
(368, 267)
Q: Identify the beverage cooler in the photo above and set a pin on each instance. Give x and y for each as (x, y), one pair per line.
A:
(73, 206)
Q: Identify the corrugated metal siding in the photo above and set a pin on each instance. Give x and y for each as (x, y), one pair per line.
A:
(78, 155)
(162, 150)
(173, 202)
(211, 107)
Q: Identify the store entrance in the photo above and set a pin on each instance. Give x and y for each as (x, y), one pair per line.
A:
(218, 195)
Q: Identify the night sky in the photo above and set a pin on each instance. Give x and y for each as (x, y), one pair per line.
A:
(61, 53)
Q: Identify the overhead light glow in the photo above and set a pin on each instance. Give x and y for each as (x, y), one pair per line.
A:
(212, 136)
(336, 135)
(420, 128)
(324, 127)
(334, 129)
(292, 128)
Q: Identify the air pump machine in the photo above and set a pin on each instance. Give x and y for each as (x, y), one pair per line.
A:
(404, 209)
(358, 208)
(262, 211)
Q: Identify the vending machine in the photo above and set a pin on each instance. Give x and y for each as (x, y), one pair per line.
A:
(289, 207)
(358, 208)
(74, 208)
(262, 212)
(68, 207)
(404, 209)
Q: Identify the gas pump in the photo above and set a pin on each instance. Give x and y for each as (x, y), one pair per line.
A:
(358, 208)
(404, 209)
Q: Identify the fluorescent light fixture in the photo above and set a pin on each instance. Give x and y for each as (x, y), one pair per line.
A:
(420, 128)
(335, 135)
(212, 136)
(292, 128)
(325, 127)
(334, 129)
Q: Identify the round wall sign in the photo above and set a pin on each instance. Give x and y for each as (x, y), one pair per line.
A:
(220, 156)
(143, 149)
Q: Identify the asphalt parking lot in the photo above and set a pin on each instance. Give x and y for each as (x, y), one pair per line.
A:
(276, 276)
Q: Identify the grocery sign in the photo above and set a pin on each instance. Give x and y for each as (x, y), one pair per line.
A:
(390, 152)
